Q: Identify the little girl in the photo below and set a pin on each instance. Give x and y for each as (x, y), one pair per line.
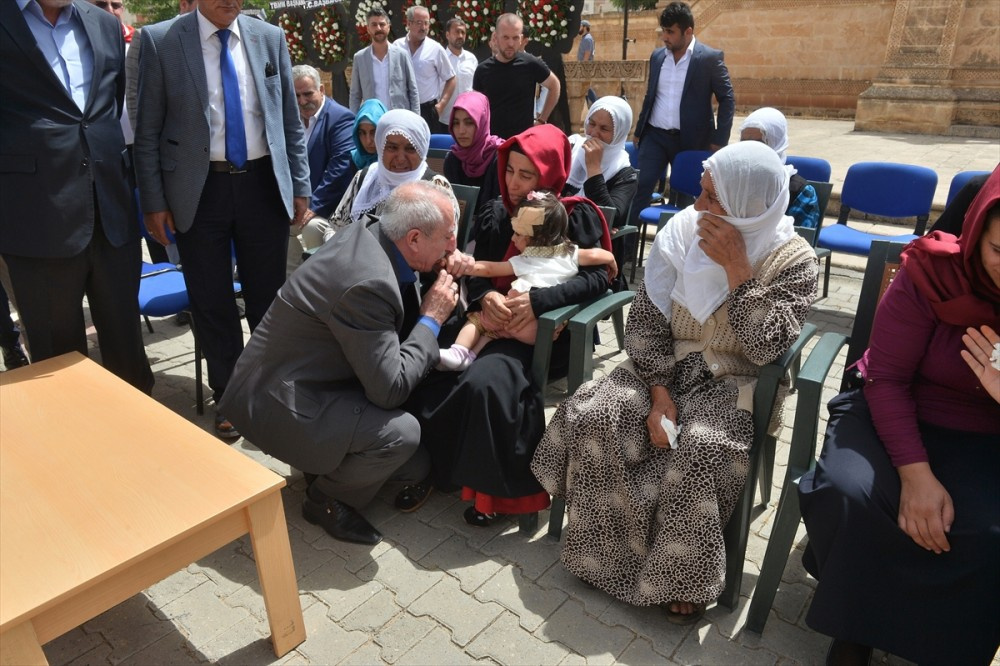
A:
(546, 258)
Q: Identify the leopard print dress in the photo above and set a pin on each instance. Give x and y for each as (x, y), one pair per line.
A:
(645, 524)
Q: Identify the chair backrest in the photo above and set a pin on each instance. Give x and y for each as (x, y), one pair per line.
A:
(823, 191)
(442, 141)
(685, 173)
(809, 233)
(633, 154)
(888, 189)
(435, 159)
(609, 215)
(811, 168)
(467, 196)
(883, 263)
(960, 180)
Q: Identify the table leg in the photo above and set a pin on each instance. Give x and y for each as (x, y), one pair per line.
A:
(271, 548)
(19, 647)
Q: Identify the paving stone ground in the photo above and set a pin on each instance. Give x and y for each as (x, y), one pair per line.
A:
(438, 591)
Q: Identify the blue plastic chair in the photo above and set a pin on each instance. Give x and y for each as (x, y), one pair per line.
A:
(960, 180)
(885, 189)
(811, 168)
(685, 187)
(442, 141)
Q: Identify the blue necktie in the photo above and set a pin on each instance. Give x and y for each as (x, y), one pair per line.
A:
(236, 139)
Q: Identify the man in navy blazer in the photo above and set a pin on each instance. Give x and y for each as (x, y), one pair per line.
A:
(677, 112)
(68, 226)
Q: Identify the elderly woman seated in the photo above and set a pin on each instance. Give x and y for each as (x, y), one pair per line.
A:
(903, 508)
(401, 141)
(727, 289)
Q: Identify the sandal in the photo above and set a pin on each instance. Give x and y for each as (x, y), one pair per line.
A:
(412, 497)
(683, 619)
(479, 519)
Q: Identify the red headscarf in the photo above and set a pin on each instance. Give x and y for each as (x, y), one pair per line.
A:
(949, 271)
(549, 151)
(476, 158)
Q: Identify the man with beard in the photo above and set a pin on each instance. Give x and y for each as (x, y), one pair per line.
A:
(463, 62)
(508, 80)
(382, 73)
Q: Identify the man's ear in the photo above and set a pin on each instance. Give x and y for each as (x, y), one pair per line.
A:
(411, 238)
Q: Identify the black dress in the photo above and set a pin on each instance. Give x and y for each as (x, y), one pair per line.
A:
(488, 183)
(481, 426)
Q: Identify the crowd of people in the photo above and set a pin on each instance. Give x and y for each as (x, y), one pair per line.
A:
(390, 354)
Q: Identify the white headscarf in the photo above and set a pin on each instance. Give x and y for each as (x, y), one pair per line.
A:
(752, 185)
(614, 158)
(773, 126)
(379, 181)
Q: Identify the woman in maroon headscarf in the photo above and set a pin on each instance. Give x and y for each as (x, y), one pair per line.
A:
(481, 427)
(903, 509)
(473, 158)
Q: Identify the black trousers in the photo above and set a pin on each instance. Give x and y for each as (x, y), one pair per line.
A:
(429, 113)
(49, 294)
(239, 215)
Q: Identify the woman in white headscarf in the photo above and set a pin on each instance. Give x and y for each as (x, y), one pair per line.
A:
(600, 169)
(401, 142)
(727, 289)
(768, 125)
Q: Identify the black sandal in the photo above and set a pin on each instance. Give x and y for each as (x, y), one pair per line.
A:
(412, 497)
(479, 519)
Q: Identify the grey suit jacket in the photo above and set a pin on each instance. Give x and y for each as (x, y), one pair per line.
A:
(54, 157)
(327, 348)
(402, 81)
(172, 134)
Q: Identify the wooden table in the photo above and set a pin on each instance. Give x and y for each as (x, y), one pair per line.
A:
(104, 492)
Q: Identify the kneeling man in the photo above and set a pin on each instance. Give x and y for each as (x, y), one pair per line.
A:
(320, 383)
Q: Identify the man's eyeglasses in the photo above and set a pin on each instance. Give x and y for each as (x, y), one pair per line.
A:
(104, 4)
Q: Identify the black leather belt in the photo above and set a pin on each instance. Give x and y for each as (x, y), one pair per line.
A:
(670, 132)
(229, 167)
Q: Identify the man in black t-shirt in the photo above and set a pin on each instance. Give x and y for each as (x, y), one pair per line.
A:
(508, 80)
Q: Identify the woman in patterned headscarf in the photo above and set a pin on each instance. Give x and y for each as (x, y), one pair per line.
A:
(727, 289)
(601, 170)
(401, 142)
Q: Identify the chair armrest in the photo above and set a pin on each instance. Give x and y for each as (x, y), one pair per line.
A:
(802, 454)
(626, 230)
(769, 378)
(599, 309)
(547, 324)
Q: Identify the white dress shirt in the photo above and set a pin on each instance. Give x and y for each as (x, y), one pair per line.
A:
(310, 123)
(666, 113)
(430, 67)
(380, 74)
(464, 64)
(253, 116)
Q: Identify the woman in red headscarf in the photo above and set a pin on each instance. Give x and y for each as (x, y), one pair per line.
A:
(903, 509)
(481, 427)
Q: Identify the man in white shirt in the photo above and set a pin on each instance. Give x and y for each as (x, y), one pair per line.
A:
(463, 62)
(382, 73)
(676, 113)
(435, 76)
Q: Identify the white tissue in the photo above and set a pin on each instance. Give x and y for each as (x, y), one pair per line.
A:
(671, 429)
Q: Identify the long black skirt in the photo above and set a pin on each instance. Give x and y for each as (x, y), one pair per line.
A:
(481, 426)
(876, 586)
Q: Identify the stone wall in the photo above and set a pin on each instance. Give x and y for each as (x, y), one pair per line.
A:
(930, 66)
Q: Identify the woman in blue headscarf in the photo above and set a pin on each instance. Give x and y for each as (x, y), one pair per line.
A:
(364, 133)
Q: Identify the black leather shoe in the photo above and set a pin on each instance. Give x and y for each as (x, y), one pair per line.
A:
(340, 521)
(13, 357)
(479, 519)
(413, 496)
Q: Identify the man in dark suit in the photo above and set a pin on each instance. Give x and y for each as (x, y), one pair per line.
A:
(676, 113)
(68, 226)
(221, 159)
(347, 339)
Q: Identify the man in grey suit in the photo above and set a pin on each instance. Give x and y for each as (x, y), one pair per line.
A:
(383, 73)
(347, 339)
(221, 159)
(68, 227)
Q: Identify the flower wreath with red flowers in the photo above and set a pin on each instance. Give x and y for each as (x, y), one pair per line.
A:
(329, 38)
(549, 19)
(291, 25)
(479, 17)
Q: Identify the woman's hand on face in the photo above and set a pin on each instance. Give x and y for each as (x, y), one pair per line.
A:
(926, 511)
(980, 345)
(520, 309)
(593, 151)
(663, 405)
(723, 243)
(495, 307)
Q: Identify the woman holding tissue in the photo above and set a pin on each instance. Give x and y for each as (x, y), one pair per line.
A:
(727, 289)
